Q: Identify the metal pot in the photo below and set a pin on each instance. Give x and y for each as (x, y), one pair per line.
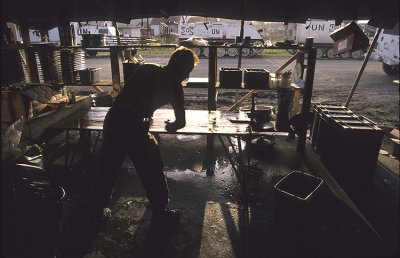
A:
(262, 114)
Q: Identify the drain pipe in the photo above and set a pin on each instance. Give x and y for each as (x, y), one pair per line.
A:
(370, 49)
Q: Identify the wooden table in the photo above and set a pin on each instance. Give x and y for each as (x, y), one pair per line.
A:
(203, 122)
(197, 122)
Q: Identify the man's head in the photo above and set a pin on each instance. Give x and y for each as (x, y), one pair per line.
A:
(182, 62)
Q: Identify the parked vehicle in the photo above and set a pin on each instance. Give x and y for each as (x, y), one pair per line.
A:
(320, 30)
(109, 32)
(221, 34)
(53, 35)
(387, 50)
(98, 36)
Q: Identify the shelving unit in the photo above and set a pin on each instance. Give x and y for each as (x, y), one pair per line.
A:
(211, 83)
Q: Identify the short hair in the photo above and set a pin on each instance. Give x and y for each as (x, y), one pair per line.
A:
(183, 56)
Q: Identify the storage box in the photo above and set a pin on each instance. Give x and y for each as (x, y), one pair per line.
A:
(89, 75)
(349, 38)
(230, 78)
(256, 79)
(295, 196)
(93, 40)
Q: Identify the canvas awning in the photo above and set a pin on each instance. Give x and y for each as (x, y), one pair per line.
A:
(50, 13)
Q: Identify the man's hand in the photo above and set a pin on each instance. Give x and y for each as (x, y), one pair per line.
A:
(170, 126)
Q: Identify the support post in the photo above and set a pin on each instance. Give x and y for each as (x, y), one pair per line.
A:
(308, 88)
(114, 52)
(65, 32)
(212, 78)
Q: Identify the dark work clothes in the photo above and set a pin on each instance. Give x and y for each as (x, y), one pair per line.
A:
(149, 89)
(125, 132)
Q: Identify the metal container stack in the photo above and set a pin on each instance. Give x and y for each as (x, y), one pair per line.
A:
(348, 144)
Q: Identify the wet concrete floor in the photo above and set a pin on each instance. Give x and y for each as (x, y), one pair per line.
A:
(214, 222)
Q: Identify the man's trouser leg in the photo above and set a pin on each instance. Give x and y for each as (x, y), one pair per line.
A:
(149, 166)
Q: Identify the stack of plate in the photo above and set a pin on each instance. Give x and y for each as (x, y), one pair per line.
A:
(50, 63)
(72, 60)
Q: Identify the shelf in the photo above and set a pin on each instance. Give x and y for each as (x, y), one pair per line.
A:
(202, 83)
(100, 83)
(196, 82)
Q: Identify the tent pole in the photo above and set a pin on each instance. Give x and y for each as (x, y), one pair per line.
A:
(370, 49)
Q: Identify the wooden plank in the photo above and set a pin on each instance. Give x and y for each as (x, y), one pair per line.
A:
(288, 62)
(240, 101)
(98, 89)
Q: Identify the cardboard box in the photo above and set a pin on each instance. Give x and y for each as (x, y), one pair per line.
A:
(349, 38)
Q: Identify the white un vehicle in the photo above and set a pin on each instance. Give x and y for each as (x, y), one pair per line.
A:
(387, 50)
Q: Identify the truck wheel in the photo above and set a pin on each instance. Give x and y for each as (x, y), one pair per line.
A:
(345, 55)
(206, 52)
(390, 69)
(221, 52)
(320, 53)
(357, 54)
(329, 54)
(232, 52)
(91, 52)
(246, 51)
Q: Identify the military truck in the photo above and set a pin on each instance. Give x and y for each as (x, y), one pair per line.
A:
(206, 33)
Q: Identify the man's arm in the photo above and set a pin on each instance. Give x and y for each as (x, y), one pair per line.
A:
(179, 110)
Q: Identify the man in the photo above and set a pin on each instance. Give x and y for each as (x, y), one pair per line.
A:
(126, 131)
